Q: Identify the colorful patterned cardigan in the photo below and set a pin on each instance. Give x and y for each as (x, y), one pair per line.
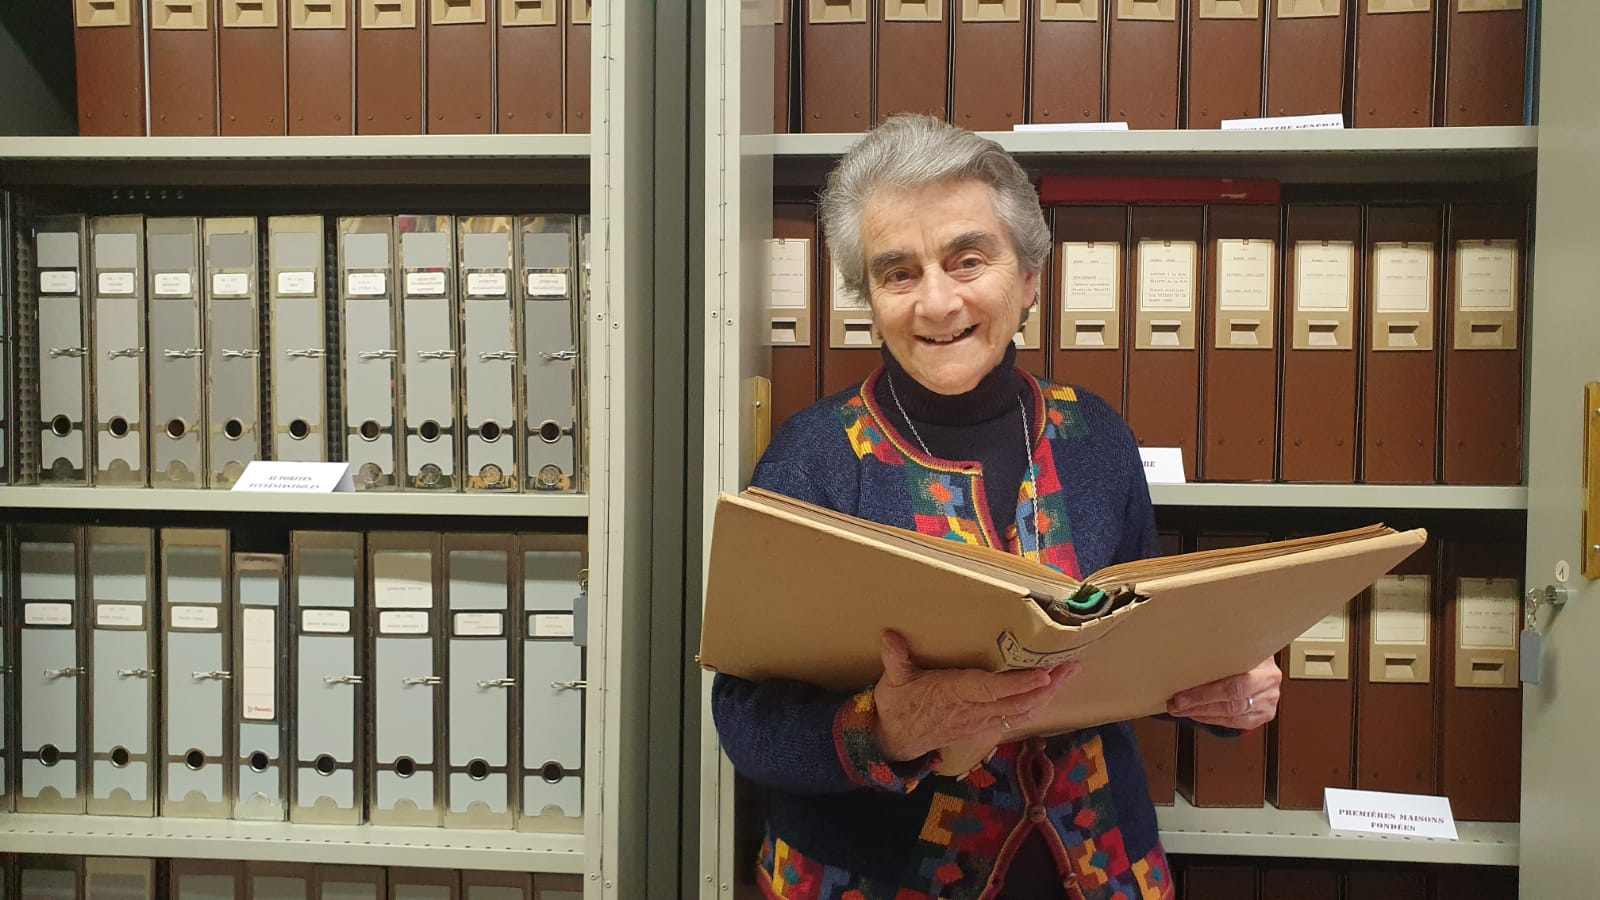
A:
(846, 824)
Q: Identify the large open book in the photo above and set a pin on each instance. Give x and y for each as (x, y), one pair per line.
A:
(800, 592)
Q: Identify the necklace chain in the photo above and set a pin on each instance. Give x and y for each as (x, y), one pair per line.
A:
(1027, 445)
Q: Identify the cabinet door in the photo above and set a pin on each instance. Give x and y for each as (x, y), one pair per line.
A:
(1558, 715)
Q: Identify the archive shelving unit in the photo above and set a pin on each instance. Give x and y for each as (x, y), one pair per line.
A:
(744, 163)
(612, 169)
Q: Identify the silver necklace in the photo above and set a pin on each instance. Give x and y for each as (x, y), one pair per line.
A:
(1027, 444)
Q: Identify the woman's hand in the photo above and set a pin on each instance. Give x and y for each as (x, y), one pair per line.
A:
(920, 710)
(1244, 701)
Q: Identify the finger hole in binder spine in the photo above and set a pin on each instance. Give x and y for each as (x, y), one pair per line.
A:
(234, 429)
(489, 432)
(49, 755)
(195, 760)
(371, 430)
(325, 765)
(549, 431)
(299, 429)
(405, 767)
(120, 757)
(552, 772)
(61, 426)
(478, 770)
(260, 761)
(118, 426)
(429, 431)
(176, 429)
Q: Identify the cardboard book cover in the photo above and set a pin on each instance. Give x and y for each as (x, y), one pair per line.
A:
(804, 593)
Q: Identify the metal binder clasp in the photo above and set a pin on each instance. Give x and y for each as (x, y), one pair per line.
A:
(69, 672)
(127, 353)
(377, 354)
(214, 676)
(498, 354)
(311, 353)
(73, 352)
(190, 353)
(240, 354)
(423, 680)
(497, 682)
(559, 354)
(570, 685)
(341, 679)
(136, 673)
(436, 354)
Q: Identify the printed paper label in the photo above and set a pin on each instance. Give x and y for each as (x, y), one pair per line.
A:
(425, 284)
(1324, 276)
(487, 284)
(1378, 812)
(119, 615)
(195, 618)
(547, 284)
(1244, 275)
(1404, 276)
(58, 282)
(788, 273)
(258, 681)
(1330, 629)
(1486, 278)
(402, 580)
(47, 614)
(174, 284)
(1487, 613)
(550, 625)
(297, 284)
(325, 621)
(1090, 279)
(117, 284)
(1400, 610)
(479, 624)
(230, 284)
(367, 284)
(1166, 276)
(392, 622)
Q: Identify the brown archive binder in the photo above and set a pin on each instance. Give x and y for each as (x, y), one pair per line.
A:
(836, 65)
(1239, 420)
(1400, 363)
(1485, 277)
(579, 52)
(783, 14)
(1215, 771)
(1285, 881)
(850, 340)
(1158, 737)
(1143, 61)
(1164, 323)
(1066, 67)
(1213, 882)
(1386, 884)
(1322, 286)
(1472, 883)
(108, 39)
(1479, 690)
(252, 56)
(1394, 55)
(1485, 59)
(528, 74)
(1087, 293)
(1032, 355)
(1306, 41)
(792, 309)
(460, 66)
(990, 64)
(251, 76)
(1227, 43)
(1397, 638)
(911, 71)
(322, 67)
(183, 67)
(1310, 744)
(389, 67)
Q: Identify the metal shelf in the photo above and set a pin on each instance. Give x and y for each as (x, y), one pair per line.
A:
(395, 504)
(1304, 834)
(1341, 496)
(1356, 155)
(435, 848)
(367, 146)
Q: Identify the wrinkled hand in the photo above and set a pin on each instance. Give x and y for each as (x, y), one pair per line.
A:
(920, 710)
(1244, 701)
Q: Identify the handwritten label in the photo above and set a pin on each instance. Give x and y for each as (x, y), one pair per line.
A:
(1017, 656)
(295, 477)
(366, 284)
(1380, 812)
(1089, 276)
(788, 273)
(1166, 276)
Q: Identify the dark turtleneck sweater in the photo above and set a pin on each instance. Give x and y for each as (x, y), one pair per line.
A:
(984, 425)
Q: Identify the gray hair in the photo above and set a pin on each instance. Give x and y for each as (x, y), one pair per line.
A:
(907, 152)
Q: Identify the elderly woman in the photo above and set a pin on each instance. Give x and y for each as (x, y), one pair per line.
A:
(941, 230)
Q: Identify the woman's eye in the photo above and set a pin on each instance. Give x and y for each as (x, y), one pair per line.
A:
(970, 262)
